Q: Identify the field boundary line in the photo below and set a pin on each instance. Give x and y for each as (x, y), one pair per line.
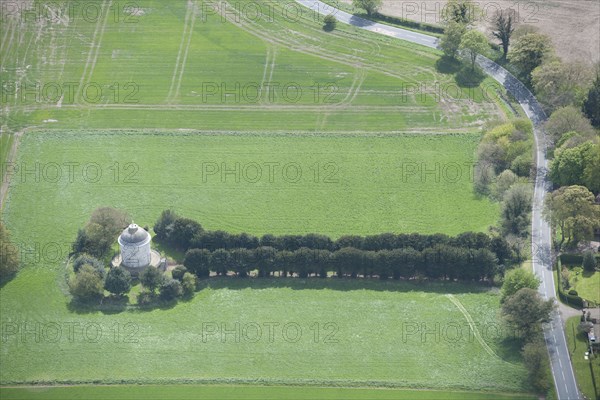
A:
(476, 332)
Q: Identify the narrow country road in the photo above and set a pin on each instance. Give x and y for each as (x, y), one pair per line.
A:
(554, 335)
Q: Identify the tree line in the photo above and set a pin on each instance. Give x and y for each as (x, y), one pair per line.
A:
(467, 256)
(437, 262)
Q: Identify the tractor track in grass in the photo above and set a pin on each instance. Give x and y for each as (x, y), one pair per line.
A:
(296, 46)
(90, 63)
(472, 325)
(187, 49)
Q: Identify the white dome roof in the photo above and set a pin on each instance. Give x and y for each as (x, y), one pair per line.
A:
(133, 234)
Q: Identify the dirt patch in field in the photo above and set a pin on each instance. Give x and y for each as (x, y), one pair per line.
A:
(573, 25)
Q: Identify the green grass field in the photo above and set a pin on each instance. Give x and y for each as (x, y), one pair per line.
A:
(162, 65)
(364, 134)
(239, 392)
(578, 345)
(356, 333)
(259, 184)
(585, 283)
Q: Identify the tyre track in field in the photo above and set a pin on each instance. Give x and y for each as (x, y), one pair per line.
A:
(469, 319)
(296, 46)
(90, 63)
(181, 43)
(192, 6)
(270, 69)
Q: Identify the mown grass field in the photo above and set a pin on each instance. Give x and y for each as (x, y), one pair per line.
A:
(583, 368)
(325, 333)
(585, 283)
(258, 184)
(238, 392)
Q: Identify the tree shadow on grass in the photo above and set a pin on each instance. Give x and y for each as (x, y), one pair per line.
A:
(342, 284)
(510, 348)
(4, 280)
(109, 305)
(447, 65)
(468, 77)
(587, 274)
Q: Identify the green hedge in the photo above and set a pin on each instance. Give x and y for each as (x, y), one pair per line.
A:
(573, 301)
(575, 259)
(406, 22)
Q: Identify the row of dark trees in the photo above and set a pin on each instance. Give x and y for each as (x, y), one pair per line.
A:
(185, 234)
(440, 261)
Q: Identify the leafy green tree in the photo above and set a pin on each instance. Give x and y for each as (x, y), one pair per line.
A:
(164, 225)
(450, 41)
(589, 261)
(329, 22)
(567, 119)
(474, 42)
(528, 53)
(557, 84)
(101, 231)
(503, 29)
(516, 209)
(184, 229)
(86, 259)
(504, 181)
(591, 171)
(460, 11)
(265, 260)
(535, 357)
(591, 104)
(178, 272)
(118, 281)
(111, 220)
(170, 289)
(197, 261)
(151, 278)
(86, 285)
(220, 261)
(347, 261)
(370, 6)
(9, 255)
(188, 285)
(572, 210)
(525, 310)
(517, 279)
(82, 242)
(569, 165)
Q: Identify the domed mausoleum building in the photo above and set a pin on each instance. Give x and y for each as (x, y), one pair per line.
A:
(136, 254)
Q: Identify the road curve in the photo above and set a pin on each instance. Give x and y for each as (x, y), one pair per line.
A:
(554, 335)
